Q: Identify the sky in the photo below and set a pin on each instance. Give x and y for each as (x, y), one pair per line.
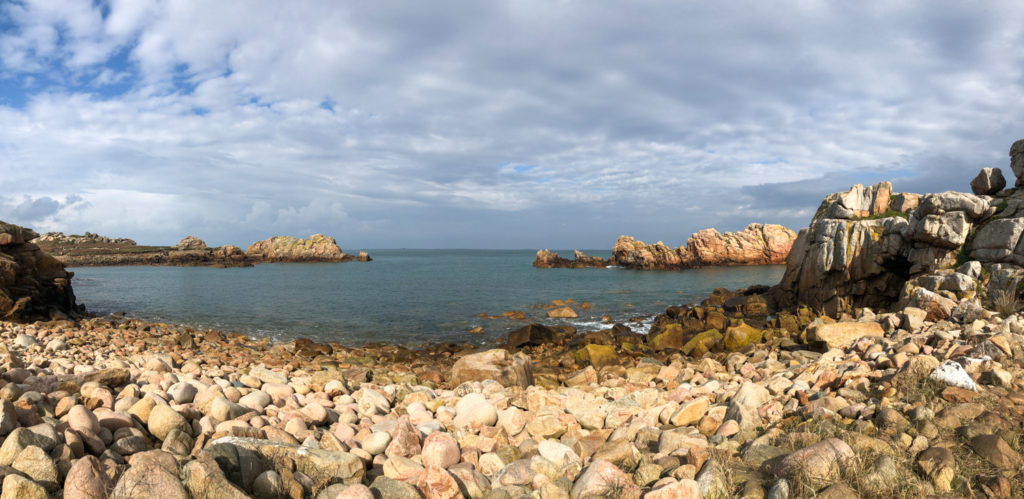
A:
(499, 124)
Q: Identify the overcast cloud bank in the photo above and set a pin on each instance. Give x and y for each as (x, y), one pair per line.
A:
(489, 124)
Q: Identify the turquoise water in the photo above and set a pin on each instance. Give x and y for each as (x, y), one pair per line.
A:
(403, 296)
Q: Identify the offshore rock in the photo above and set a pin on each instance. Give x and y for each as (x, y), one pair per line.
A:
(318, 248)
(757, 244)
(550, 260)
(93, 250)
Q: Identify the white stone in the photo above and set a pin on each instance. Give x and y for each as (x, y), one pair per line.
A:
(953, 374)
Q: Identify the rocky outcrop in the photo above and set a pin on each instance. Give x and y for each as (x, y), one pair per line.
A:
(92, 250)
(550, 260)
(33, 284)
(58, 238)
(318, 248)
(191, 243)
(868, 247)
(757, 244)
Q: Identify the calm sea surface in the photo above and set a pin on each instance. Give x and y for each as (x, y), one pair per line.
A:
(403, 296)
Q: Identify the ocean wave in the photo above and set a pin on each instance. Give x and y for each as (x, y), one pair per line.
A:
(642, 327)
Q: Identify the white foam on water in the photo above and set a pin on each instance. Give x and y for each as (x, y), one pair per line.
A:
(591, 325)
(637, 327)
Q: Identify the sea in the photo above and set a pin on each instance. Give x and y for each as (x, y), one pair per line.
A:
(404, 296)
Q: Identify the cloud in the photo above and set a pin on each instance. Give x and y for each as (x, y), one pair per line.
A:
(514, 124)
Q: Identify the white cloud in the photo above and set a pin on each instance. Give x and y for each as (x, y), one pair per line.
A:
(628, 117)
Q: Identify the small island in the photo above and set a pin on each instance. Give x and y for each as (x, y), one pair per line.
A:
(757, 244)
(93, 250)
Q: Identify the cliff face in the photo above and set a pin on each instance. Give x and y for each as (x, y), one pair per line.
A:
(318, 248)
(33, 285)
(757, 244)
(869, 247)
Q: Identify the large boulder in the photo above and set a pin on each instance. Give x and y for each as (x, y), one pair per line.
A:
(531, 335)
(858, 202)
(322, 466)
(33, 284)
(841, 334)
(1017, 161)
(817, 464)
(988, 182)
(191, 243)
(497, 364)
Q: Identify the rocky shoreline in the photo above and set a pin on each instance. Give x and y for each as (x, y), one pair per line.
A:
(786, 406)
(92, 250)
(888, 363)
(757, 244)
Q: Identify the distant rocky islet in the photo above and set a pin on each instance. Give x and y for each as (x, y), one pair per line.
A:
(95, 250)
(889, 362)
(757, 244)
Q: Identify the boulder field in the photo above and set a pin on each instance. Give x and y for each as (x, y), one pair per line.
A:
(757, 244)
(95, 250)
(874, 405)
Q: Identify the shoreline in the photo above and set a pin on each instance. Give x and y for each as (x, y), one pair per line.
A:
(859, 375)
(561, 412)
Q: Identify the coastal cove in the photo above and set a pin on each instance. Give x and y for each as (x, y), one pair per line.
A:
(404, 296)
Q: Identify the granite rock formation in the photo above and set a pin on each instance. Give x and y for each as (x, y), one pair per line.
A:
(33, 284)
(757, 244)
(868, 247)
(59, 238)
(550, 260)
(191, 243)
(318, 248)
(94, 250)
